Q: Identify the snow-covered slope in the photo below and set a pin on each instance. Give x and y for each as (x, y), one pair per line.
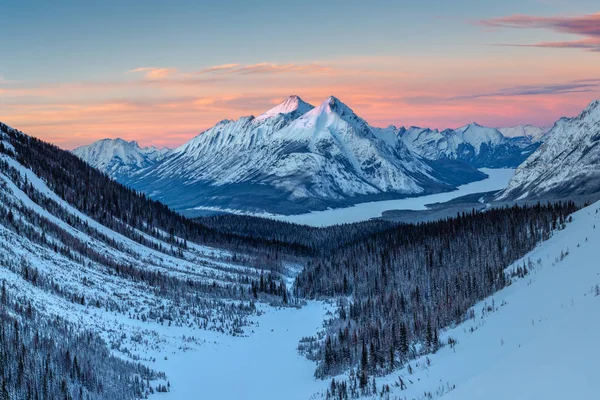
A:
(535, 339)
(119, 158)
(117, 273)
(291, 159)
(474, 144)
(533, 133)
(567, 163)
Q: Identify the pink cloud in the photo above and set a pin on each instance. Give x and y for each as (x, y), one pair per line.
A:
(586, 25)
(434, 92)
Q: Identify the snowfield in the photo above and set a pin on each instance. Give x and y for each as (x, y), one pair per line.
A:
(265, 365)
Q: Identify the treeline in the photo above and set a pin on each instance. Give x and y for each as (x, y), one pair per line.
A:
(45, 358)
(306, 240)
(407, 283)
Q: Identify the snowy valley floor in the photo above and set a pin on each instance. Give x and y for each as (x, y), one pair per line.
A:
(266, 365)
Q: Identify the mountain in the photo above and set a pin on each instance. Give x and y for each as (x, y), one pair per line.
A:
(565, 165)
(474, 144)
(292, 159)
(533, 133)
(119, 158)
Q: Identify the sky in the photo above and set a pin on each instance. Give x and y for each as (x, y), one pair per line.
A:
(161, 72)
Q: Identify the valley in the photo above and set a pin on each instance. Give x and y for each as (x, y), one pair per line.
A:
(310, 200)
(329, 304)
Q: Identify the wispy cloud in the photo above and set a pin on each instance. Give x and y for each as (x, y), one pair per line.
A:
(267, 68)
(587, 26)
(155, 73)
(218, 68)
(579, 86)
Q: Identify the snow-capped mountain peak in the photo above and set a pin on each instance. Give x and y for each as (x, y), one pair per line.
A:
(333, 107)
(293, 105)
(331, 117)
(535, 134)
(337, 106)
(474, 144)
(592, 110)
(477, 135)
(118, 156)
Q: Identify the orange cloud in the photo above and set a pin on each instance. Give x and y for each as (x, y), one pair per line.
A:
(155, 73)
(218, 68)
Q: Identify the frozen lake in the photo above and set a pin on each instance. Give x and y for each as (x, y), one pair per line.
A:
(498, 179)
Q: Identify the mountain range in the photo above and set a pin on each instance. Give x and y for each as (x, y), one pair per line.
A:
(479, 146)
(120, 158)
(296, 158)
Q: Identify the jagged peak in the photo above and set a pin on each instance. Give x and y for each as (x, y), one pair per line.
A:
(333, 105)
(592, 108)
(113, 144)
(224, 122)
(337, 105)
(593, 105)
(469, 126)
(114, 141)
(293, 104)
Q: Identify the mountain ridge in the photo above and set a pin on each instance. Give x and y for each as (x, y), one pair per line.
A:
(565, 165)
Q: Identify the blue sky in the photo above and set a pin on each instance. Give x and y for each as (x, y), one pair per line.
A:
(88, 40)
(48, 44)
